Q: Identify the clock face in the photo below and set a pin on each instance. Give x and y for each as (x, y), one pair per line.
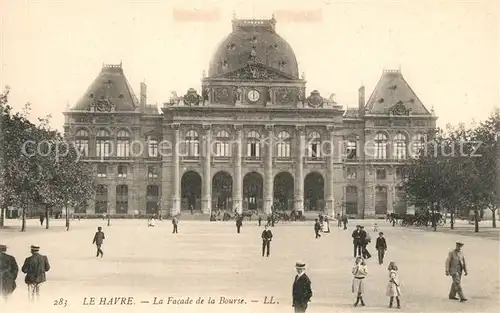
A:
(253, 95)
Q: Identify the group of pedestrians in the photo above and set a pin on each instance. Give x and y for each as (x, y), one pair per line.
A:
(35, 267)
(360, 239)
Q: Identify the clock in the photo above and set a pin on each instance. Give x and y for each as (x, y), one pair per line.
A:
(253, 95)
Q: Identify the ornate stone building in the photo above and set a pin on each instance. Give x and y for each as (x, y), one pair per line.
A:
(253, 137)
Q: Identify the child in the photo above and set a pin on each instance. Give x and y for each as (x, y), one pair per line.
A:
(375, 227)
(381, 246)
(359, 272)
(393, 287)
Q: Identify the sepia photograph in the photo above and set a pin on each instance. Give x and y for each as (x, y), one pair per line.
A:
(249, 156)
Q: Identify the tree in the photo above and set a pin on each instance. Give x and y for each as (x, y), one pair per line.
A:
(39, 166)
(456, 170)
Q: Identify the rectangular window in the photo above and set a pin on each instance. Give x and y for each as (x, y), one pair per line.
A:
(152, 172)
(83, 146)
(381, 173)
(152, 147)
(399, 172)
(352, 173)
(122, 148)
(351, 150)
(122, 171)
(103, 148)
(102, 171)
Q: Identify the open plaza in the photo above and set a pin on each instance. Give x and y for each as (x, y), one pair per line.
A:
(210, 261)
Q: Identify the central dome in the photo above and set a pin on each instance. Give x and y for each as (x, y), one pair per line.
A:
(254, 40)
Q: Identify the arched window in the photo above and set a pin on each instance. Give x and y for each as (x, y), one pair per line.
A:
(417, 145)
(123, 144)
(283, 144)
(400, 147)
(222, 146)
(314, 150)
(82, 142)
(103, 144)
(253, 144)
(380, 146)
(192, 143)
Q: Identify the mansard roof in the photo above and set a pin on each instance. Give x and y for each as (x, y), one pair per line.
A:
(392, 91)
(110, 86)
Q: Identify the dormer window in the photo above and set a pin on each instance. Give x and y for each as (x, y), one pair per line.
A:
(91, 95)
(381, 100)
(120, 96)
(231, 46)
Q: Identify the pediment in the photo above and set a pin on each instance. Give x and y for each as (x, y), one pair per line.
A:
(255, 71)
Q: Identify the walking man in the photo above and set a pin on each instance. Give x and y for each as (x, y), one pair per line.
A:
(239, 223)
(365, 239)
(455, 265)
(267, 235)
(301, 291)
(339, 220)
(8, 273)
(35, 268)
(175, 222)
(345, 221)
(98, 239)
(356, 241)
(381, 246)
(317, 228)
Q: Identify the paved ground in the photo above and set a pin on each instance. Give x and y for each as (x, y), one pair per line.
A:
(211, 260)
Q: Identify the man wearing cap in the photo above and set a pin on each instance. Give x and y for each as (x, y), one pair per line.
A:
(455, 264)
(35, 267)
(301, 292)
(98, 239)
(8, 272)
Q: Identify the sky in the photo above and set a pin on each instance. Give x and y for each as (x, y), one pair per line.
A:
(448, 51)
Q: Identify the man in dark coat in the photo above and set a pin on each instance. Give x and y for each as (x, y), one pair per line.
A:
(267, 236)
(356, 241)
(8, 272)
(239, 223)
(381, 246)
(35, 267)
(345, 221)
(317, 228)
(301, 291)
(365, 239)
(98, 239)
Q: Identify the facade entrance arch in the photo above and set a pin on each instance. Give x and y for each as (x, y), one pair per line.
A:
(253, 184)
(283, 191)
(314, 192)
(191, 191)
(222, 191)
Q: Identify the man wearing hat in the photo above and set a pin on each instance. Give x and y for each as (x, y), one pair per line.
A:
(301, 292)
(98, 239)
(356, 241)
(8, 272)
(35, 267)
(455, 265)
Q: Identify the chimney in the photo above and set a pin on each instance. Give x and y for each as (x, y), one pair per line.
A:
(361, 101)
(143, 99)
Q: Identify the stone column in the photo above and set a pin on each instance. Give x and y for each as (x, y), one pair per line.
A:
(330, 197)
(176, 199)
(167, 170)
(112, 196)
(268, 170)
(238, 180)
(206, 197)
(338, 181)
(299, 167)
